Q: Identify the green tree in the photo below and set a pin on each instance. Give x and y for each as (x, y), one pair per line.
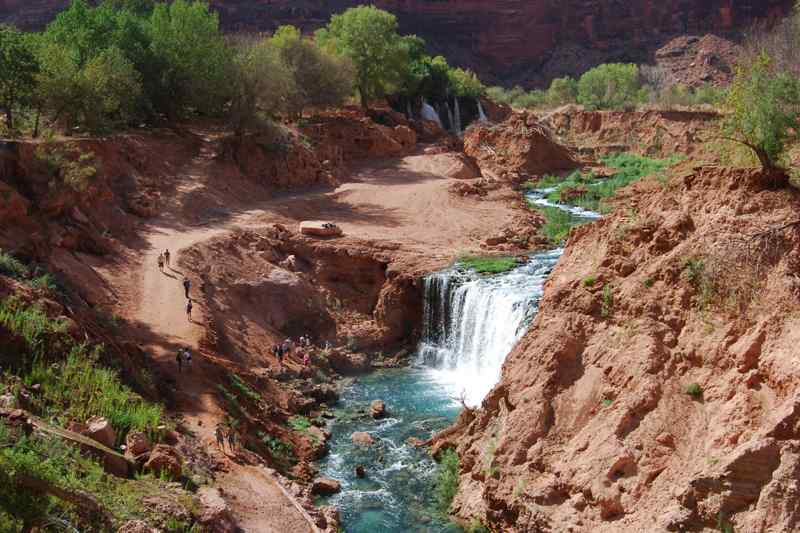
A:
(763, 107)
(140, 7)
(320, 79)
(261, 84)
(115, 86)
(193, 60)
(464, 83)
(368, 37)
(609, 86)
(85, 30)
(562, 91)
(18, 68)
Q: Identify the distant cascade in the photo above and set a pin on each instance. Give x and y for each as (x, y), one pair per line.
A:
(472, 322)
(429, 113)
(481, 115)
(409, 111)
(450, 120)
(457, 117)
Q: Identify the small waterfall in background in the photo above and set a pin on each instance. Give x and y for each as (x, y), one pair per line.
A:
(472, 322)
(429, 113)
(481, 114)
(450, 122)
(456, 117)
(409, 112)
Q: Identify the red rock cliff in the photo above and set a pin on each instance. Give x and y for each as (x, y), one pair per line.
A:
(511, 40)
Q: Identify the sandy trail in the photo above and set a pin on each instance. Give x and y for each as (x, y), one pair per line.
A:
(405, 201)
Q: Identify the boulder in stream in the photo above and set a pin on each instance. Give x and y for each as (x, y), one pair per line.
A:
(362, 438)
(377, 409)
(325, 486)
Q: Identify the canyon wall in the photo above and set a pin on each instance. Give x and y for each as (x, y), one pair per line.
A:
(512, 41)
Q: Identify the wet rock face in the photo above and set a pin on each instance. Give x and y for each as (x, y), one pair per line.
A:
(506, 40)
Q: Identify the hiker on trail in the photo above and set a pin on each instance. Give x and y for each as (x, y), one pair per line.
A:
(220, 437)
(188, 356)
(189, 310)
(161, 262)
(166, 257)
(186, 286)
(306, 359)
(179, 360)
(232, 439)
(287, 347)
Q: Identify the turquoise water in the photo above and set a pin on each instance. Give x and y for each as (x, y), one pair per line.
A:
(396, 496)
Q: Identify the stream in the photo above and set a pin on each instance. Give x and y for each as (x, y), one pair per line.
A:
(470, 324)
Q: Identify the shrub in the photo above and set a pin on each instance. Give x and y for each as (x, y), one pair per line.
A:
(446, 480)
(588, 281)
(610, 86)
(763, 110)
(41, 334)
(649, 282)
(299, 423)
(11, 266)
(243, 389)
(694, 390)
(607, 304)
(557, 224)
(488, 265)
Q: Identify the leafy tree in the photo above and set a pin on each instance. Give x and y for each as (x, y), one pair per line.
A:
(85, 30)
(320, 78)
(186, 42)
(609, 86)
(18, 68)
(437, 83)
(368, 37)
(261, 82)
(140, 7)
(562, 91)
(465, 83)
(115, 86)
(763, 108)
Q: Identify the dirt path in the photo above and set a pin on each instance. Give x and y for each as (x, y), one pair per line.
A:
(257, 502)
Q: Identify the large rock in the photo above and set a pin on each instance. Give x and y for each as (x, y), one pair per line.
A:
(214, 515)
(362, 438)
(165, 460)
(137, 443)
(325, 486)
(99, 429)
(461, 167)
(377, 409)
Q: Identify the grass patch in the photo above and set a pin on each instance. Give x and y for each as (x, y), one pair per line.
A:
(77, 388)
(557, 224)
(488, 265)
(242, 389)
(588, 281)
(607, 303)
(13, 267)
(299, 423)
(606, 402)
(649, 283)
(446, 480)
(41, 334)
(630, 168)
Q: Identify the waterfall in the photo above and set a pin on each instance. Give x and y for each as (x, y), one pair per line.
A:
(450, 121)
(457, 117)
(429, 113)
(471, 323)
(409, 112)
(481, 114)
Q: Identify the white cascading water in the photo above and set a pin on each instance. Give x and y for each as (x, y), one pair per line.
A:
(449, 115)
(409, 112)
(481, 114)
(456, 117)
(429, 113)
(472, 322)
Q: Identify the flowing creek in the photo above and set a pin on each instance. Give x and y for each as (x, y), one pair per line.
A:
(471, 323)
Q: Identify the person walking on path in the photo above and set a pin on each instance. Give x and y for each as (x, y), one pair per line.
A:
(161, 262)
(179, 360)
(306, 359)
(189, 310)
(166, 257)
(287, 347)
(232, 439)
(186, 286)
(188, 356)
(220, 437)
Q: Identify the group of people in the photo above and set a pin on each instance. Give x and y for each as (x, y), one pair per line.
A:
(163, 261)
(184, 356)
(329, 225)
(287, 347)
(226, 433)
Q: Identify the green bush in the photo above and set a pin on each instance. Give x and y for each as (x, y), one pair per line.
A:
(11, 266)
(558, 224)
(588, 281)
(299, 423)
(694, 389)
(610, 86)
(446, 480)
(41, 334)
(488, 265)
(607, 304)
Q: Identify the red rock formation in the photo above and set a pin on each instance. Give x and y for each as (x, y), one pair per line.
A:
(593, 426)
(509, 40)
